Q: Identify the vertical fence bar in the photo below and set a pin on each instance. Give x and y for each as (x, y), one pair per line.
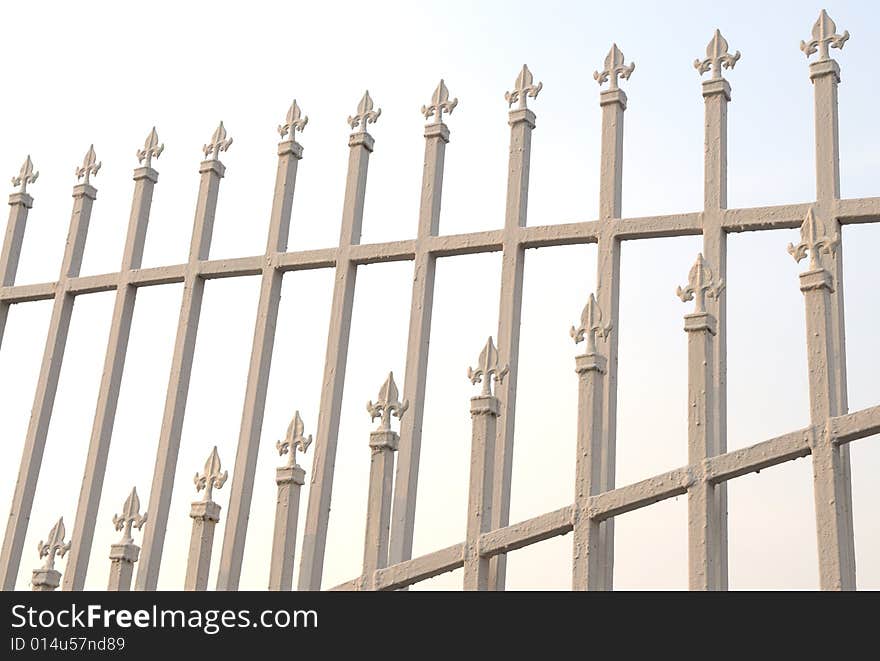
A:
(613, 103)
(84, 195)
(704, 516)
(383, 445)
(318, 515)
(587, 570)
(212, 171)
(205, 514)
(522, 123)
(424, 269)
(289, 480)
(124, 553)
(716, 95)
(19, 204)
(484, 416)
(289, 154)
(145, 179)
(825, 75)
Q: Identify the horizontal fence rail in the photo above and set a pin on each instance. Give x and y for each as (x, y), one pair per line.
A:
(395, 456)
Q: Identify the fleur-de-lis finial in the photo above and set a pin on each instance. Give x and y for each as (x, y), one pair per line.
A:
(152, 149)
(591, 325)
(614, 68)
(90, 165)
(487, 368)
(212, 477)
(295, 122)
(523, 87)
(701, 283)
(387, 404)
(717, 56)
(365, 114)
(294, 439)
(824, 35)
(131, 516)
(26, 175)
(440, 103)
(219, 142)
(54, 545)
(813, 240)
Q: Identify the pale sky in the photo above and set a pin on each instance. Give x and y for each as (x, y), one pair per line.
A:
(107, 75)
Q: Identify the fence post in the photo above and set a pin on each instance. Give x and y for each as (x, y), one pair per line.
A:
(829, 475)
(289, 479)
(422, 303)
(318, 515)
(289, 154)
(716, 94)
(484, 415)
(124, 553)
(704, 516)
(84, 195)
(613, 103)
(522, 122)
(383, 445)
(587, 569)
(825, 76)
(205, 514)
(212, 171)
(47, 578)
(19, 204)
(145, 179)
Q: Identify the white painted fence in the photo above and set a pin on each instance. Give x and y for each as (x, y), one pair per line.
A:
(395, 456)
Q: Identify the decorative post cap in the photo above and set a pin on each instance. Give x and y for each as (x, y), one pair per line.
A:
(813, 240)
(487, 369)
(387, 405)
(219, 142)
(824, 35)
(131, 516)
(614, 67)
(701, 283)
(152, 149)
(717, 56)
(89, 166)
(440, 103)
(295, 122)
(523, 87)
(591, 325)
(26, 175)
(54, 545)
(365, 114)
(212, 477)
(294, 439)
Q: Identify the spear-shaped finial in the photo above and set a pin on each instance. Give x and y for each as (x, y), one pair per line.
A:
(152, 149)
(90, 165)
(591, 325)
(487, 368)
(365, 114)
(131, 517)
(54, 545)
(614, 68)
(212, 477)
(523, 87)
(717, 56)
(387, 404)
(701, 283)
(440, 103)
(219, 142)
(294, 439)
(813, 240)
(26, 175)
(295, 122)
(824, 35)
